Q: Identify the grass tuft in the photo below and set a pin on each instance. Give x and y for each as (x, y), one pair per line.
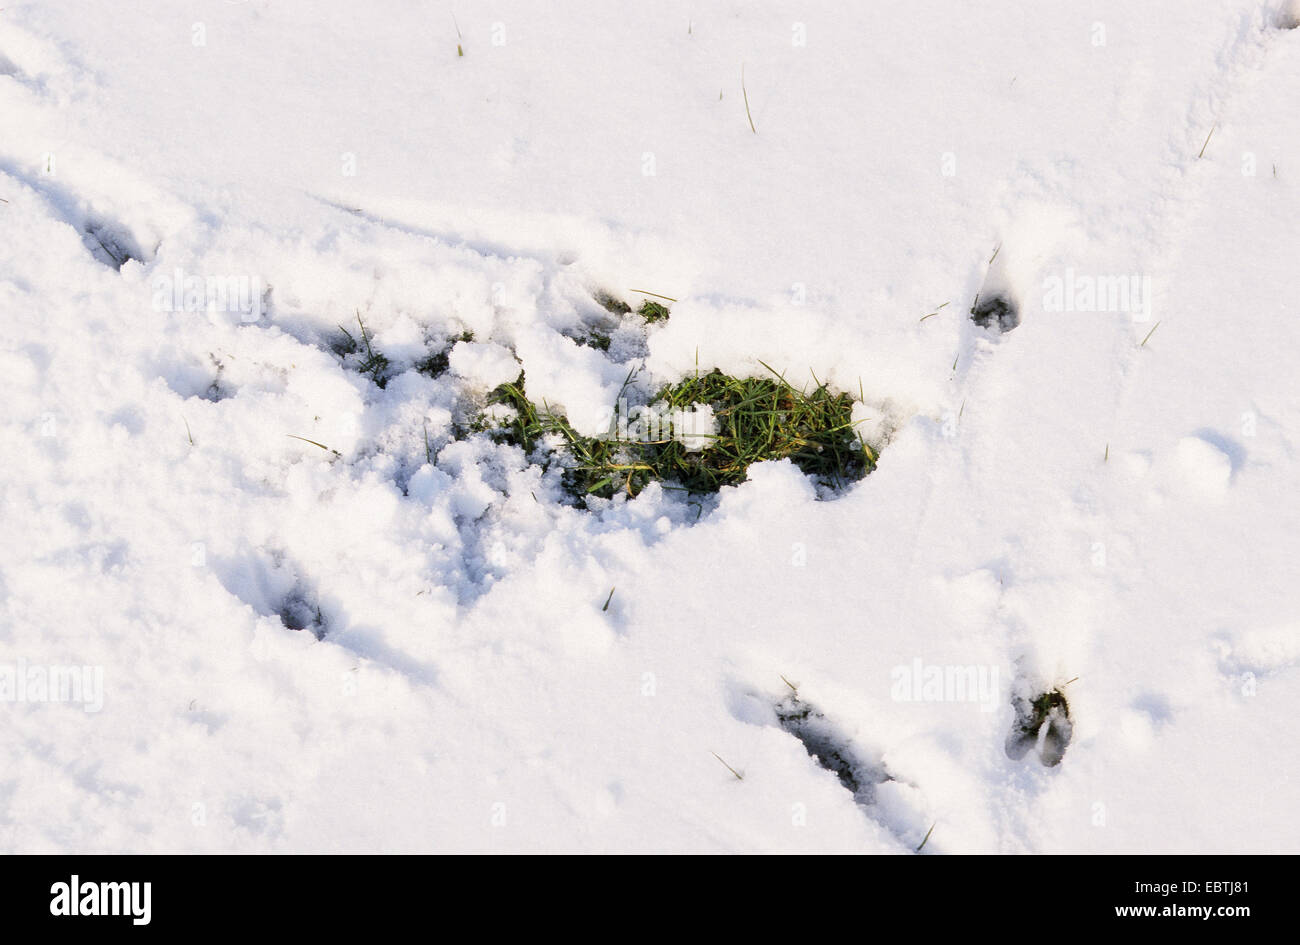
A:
(649, 311)
(756, 419)
(374, 364)
(653, 312)
(595, 338)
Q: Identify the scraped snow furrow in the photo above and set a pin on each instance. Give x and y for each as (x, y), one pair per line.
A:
(859, 774)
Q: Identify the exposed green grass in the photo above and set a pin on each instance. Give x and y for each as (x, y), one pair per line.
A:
(756, 419)
(653, 312)
(374, 363)
(611, 304)
(650, 311)
(600, 335)
(595, 338)
(526, 427)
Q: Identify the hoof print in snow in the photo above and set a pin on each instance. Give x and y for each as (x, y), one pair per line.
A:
(297, 613)
(596, 332)
(893, 805)
(995, 312)
(830, 748)
(111, 245)
(274, 586)
(650, 311)
(615, 329)
(611, 304)
(217, 391)
(1042, 724)
(596, 337)
(434, 365)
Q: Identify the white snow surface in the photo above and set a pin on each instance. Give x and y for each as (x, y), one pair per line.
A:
(1083, 502)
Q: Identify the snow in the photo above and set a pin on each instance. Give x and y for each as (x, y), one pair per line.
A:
(486, 365)
(1100, 501)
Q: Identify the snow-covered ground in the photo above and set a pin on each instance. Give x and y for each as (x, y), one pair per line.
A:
(1061, 507)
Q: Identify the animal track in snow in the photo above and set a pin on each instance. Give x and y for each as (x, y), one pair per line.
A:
(830, 748)
(995, 306)
(1042, 724)
(1288, 15)
(995, 311)
(1259, 653)
(859, 774)
(110, 243)
(275, 587)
